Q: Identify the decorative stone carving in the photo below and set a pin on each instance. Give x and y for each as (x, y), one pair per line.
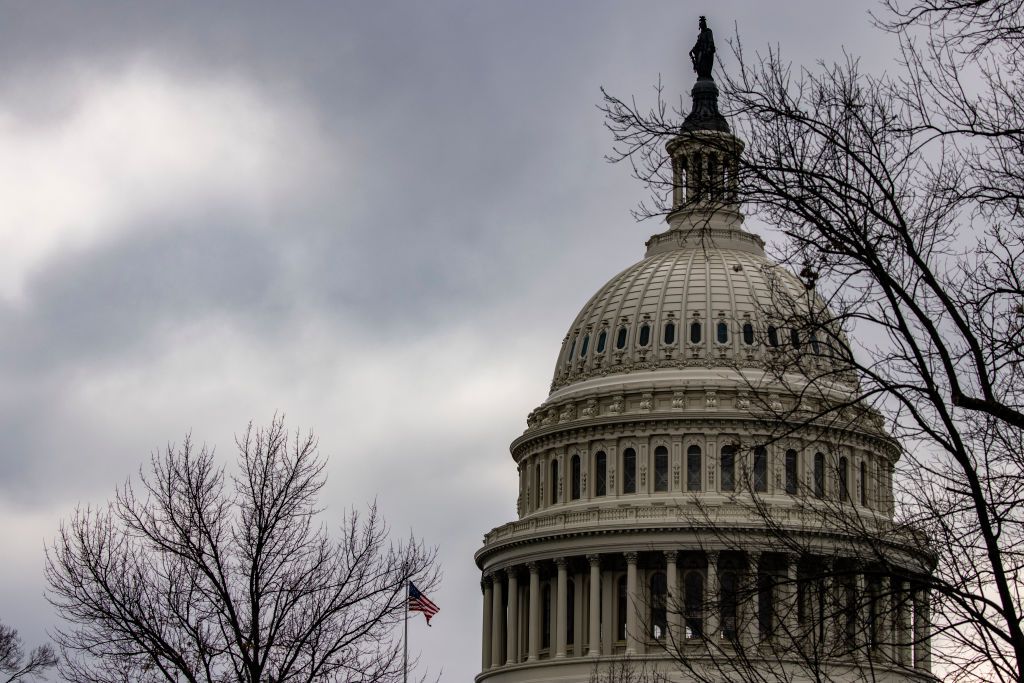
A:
(711, 399)
(631, 557)
(646, 402)
(583, 482)
(618, 404)
(550, 417)
(643, 475)
(568, 413)
(743, 401)
(675, 475)
(590, 409)
(594, 560)
(774, 403)
(678, 400)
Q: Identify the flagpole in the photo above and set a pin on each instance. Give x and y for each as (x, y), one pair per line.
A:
(405, 640)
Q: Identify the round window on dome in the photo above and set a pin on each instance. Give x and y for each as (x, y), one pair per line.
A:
(773, 337)
(723, 332)
(620, 340)
(794, 338)
(645, 334)
(601, 339)
(695, 332)
(670, 333)
(748, 334)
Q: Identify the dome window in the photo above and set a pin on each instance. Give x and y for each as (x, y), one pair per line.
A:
(819, 475)
(760, 469)
(748, 334)
(572, 350)
(574, 485)
(661, 469)
(693, 468)
(791, 471)
(620, 340)
(601, 339)
(773, 337)
(695, 332)
(645, 335)
(601, 480)
(585, 346)
(728, 468)
(670, 333)
(629, 471)
(794, 338)
(723, 332)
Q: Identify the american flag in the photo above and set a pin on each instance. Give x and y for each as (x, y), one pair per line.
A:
(418, 602)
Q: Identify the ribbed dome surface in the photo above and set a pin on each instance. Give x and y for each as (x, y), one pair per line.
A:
(693, 302)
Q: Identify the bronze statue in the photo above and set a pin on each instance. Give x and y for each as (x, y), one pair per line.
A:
(703, 52)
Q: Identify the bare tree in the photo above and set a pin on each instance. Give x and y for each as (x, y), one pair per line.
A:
(13, 662)
(194, 574)
(899, 201)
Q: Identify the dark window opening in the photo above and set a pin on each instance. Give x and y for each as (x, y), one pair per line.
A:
(554, 482)
(659, 611)
(765, 605)
(794, 338)
(601, 482)
(536, 487)
(723, 333)
(693, 604)
(645, 334)
(620, 622)
(863, 483)
(661, 469)
(728, 468)
(844, 479)
(791, 472)
(572, 350)
(695, 333)
(819, 475)
(773, 337)
(748, 334)
(760, 469)
(693, 470)
(601, 339)
(585, 346)
(620, 341)
(728, 604)
(629, 471)
(670, 333)
(575, 486)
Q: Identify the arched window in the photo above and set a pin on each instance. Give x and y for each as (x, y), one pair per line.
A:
(661, 469)
(601, 469)
(760, 469)
(864, 483)
(670, 333)
(819, 475)
(659, 611)
(601, 340)
(620, 613)
(545, 604)
(585, 346)
(629, 471)
(727, 604)
(553, 484)
(536, 487)
(723, 332)
(620, 340)
(693, 470)
(645, 335)
(693, 604)
(748, 334)
(844, 479)
(792, 480)
(728, 463)
(574, 492)
(695, 332)
(794, 337)
(773, 337)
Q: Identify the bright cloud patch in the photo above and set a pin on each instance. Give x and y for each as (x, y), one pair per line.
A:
(141, 143)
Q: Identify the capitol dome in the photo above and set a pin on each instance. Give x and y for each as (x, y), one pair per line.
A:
(687, 486)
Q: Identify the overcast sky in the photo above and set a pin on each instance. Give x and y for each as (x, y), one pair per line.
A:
(376, 218)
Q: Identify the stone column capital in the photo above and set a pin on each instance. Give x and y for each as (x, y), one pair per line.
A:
(562, 562)
(534, 567)
(671, 555)
(487, 579)
(712, 557)
(594, 560)
(631, 557)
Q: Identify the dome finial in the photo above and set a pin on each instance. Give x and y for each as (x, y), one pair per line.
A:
(705, 114)
(703, 53)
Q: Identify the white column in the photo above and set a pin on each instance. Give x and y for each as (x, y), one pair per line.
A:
(497, 621)
(533, 628)
(712, 592)
(512, 630)
(632, 605)
(561, 605)
(595, 605)
(673, 600)
(485, 638)
(922, 630)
